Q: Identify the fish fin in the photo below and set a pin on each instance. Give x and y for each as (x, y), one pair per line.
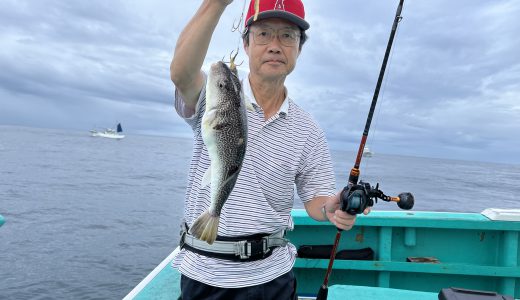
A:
(206, 179)
(205, 227)
(210, 115)
(231, 177)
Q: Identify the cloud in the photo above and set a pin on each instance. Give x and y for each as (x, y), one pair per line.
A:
(451, 88)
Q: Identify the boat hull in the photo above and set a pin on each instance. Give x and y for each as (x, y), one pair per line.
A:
(469, 250)
(108, 135)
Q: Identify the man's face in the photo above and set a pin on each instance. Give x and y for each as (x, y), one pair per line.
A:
(273, 48)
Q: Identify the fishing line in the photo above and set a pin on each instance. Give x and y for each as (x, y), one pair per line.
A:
(240, 26)
(382, 102)
(240, 29)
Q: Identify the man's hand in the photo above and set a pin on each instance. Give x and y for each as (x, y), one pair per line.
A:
(336, 216)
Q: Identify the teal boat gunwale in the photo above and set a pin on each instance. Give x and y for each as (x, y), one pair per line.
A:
(148, 286)
(418, 219)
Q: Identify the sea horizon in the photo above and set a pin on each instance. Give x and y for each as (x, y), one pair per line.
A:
(333, 146)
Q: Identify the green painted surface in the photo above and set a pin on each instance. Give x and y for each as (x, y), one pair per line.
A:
(165, 286)
(459, 269)
(348, 292)
(418, 219)
(1, 220)
(473, 253)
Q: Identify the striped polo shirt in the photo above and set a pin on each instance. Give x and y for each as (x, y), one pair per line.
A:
(287, 150)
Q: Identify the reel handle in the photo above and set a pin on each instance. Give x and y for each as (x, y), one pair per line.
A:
(406, 201)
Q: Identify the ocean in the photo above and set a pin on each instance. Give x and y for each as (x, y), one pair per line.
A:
(89, 218)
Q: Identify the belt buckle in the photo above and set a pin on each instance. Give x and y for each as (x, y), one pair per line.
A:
(243, 249)
(258, 247)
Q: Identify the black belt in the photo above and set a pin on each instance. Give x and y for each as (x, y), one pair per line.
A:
(242, 248)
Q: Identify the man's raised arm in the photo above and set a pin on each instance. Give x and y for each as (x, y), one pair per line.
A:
(191, 49)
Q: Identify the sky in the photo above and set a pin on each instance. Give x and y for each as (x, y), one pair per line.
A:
(451, 88)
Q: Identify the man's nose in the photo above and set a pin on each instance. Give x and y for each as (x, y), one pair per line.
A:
(275, 45)
(274, 50)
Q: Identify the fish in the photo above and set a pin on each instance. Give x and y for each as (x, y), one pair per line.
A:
(224, 132)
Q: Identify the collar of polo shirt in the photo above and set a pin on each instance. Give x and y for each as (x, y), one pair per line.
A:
(248, 92)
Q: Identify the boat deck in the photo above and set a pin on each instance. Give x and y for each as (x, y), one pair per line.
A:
(159, 287)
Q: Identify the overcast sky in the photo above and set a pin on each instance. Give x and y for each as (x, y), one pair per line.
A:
(452, 87)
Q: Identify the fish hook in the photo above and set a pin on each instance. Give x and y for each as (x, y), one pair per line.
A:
(232, 64)
(236, 25)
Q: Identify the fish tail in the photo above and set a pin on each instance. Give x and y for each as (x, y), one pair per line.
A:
(205, 227)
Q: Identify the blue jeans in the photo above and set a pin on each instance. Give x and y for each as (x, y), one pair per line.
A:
(281, 288)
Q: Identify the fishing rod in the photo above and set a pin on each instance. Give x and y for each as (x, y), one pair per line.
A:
(355, 198)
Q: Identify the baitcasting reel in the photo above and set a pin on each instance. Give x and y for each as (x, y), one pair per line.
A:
(356, 197)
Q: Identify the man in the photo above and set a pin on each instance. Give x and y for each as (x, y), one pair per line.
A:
(285, 147)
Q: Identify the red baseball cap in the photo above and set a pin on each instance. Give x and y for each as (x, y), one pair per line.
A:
(290, 10)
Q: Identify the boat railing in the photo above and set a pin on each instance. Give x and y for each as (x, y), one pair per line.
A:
(422, 251)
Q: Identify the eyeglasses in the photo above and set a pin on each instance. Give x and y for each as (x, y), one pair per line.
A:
(287, 37)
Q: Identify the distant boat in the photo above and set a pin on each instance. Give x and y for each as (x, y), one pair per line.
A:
(367, 152)
(109, 133)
